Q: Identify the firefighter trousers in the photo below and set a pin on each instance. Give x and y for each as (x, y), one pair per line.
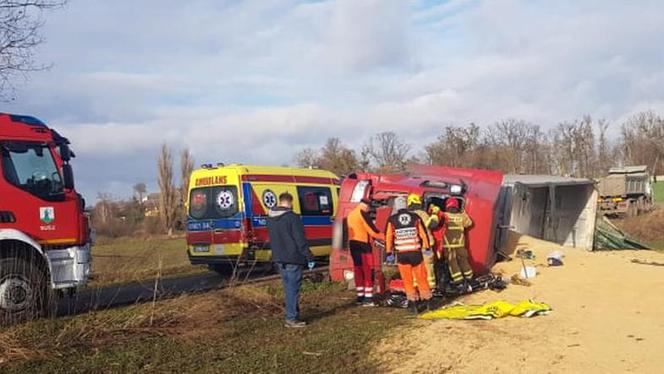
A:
(457, 259)
(410, 274)
(429, 262)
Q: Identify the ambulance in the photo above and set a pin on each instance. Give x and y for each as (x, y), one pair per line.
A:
(228, 205)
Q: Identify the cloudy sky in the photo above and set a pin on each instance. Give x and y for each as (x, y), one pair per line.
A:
(254, 81)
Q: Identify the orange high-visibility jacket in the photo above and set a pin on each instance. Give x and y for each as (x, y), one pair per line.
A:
(405, 233)
(360, 227)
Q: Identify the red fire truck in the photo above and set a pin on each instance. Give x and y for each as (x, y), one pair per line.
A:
(479, 191)
(44, 232)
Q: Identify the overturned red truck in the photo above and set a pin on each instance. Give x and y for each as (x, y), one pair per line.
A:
(479, 191)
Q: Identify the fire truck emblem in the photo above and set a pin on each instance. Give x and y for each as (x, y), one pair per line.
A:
(404, 219)
(47, 214)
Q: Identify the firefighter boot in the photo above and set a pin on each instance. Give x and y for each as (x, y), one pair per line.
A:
(412, 307)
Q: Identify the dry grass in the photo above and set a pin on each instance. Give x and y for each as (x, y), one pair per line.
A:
(232, 330)
(125, 260)
(183, 317)
(648, 228)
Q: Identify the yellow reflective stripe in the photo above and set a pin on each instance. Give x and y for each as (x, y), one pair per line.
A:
(58, 241)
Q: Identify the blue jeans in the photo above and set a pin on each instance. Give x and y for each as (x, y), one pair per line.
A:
(291, 277)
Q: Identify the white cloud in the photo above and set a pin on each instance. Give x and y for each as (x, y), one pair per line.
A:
(254, 81)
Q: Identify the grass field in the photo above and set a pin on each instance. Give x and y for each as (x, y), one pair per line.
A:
(135, 259)
(658, 189)
(225, 331)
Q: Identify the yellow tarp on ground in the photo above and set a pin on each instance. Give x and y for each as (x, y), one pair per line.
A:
(495, 309)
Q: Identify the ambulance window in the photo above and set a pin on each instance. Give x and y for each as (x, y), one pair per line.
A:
(315, 201)
(198, 203)
(213, 202)
(225, 201)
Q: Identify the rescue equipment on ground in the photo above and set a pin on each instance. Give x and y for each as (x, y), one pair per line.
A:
(491, 310)
(528, 272)
(555, 258)
(396, 296)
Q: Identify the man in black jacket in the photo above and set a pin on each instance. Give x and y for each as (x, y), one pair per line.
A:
(290, 253)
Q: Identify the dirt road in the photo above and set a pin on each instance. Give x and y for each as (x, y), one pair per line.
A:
(607, 319)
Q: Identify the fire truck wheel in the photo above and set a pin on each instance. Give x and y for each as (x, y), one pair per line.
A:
(23, 291)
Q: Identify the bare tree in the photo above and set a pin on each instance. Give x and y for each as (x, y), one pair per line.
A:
(186, 168)
(604, 159)
(167, 197)
(643, 141)
(388, 152)
(456, 147)
(364, 162)
(333, 156)
(20, 25)
(338, 158)
(103, 209)
(306, 158)
(139, 192)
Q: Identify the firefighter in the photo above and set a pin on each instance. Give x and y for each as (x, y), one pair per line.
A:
(441, 269)
(360, 231)
(430, 222)
(407, 237)
(456, 223)
(438, 230)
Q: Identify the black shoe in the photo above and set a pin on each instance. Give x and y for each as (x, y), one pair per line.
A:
(412, 307)
(359, 300)
(294, 323)
(369, 303)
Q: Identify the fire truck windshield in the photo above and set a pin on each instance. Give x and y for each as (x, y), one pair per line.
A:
(30, 167)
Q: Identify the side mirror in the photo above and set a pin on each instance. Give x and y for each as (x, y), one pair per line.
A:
(65, 152)
(68, 176)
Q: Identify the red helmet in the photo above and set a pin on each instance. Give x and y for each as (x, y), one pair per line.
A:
(451, 203)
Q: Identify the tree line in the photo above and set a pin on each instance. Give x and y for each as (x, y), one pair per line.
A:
(578, 148)
(160, 212)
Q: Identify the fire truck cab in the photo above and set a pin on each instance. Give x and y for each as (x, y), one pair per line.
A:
(44, 232)
(478, 190)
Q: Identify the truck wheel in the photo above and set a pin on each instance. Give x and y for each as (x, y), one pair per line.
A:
(633, 210)
(23, 291)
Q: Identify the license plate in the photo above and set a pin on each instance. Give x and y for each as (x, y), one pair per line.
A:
(201, 248)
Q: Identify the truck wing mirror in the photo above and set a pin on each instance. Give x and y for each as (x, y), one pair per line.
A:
(68, 176)
(65, 152)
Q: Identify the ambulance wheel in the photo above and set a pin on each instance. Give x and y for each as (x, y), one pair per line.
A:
(24, 294)
(223, 269)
